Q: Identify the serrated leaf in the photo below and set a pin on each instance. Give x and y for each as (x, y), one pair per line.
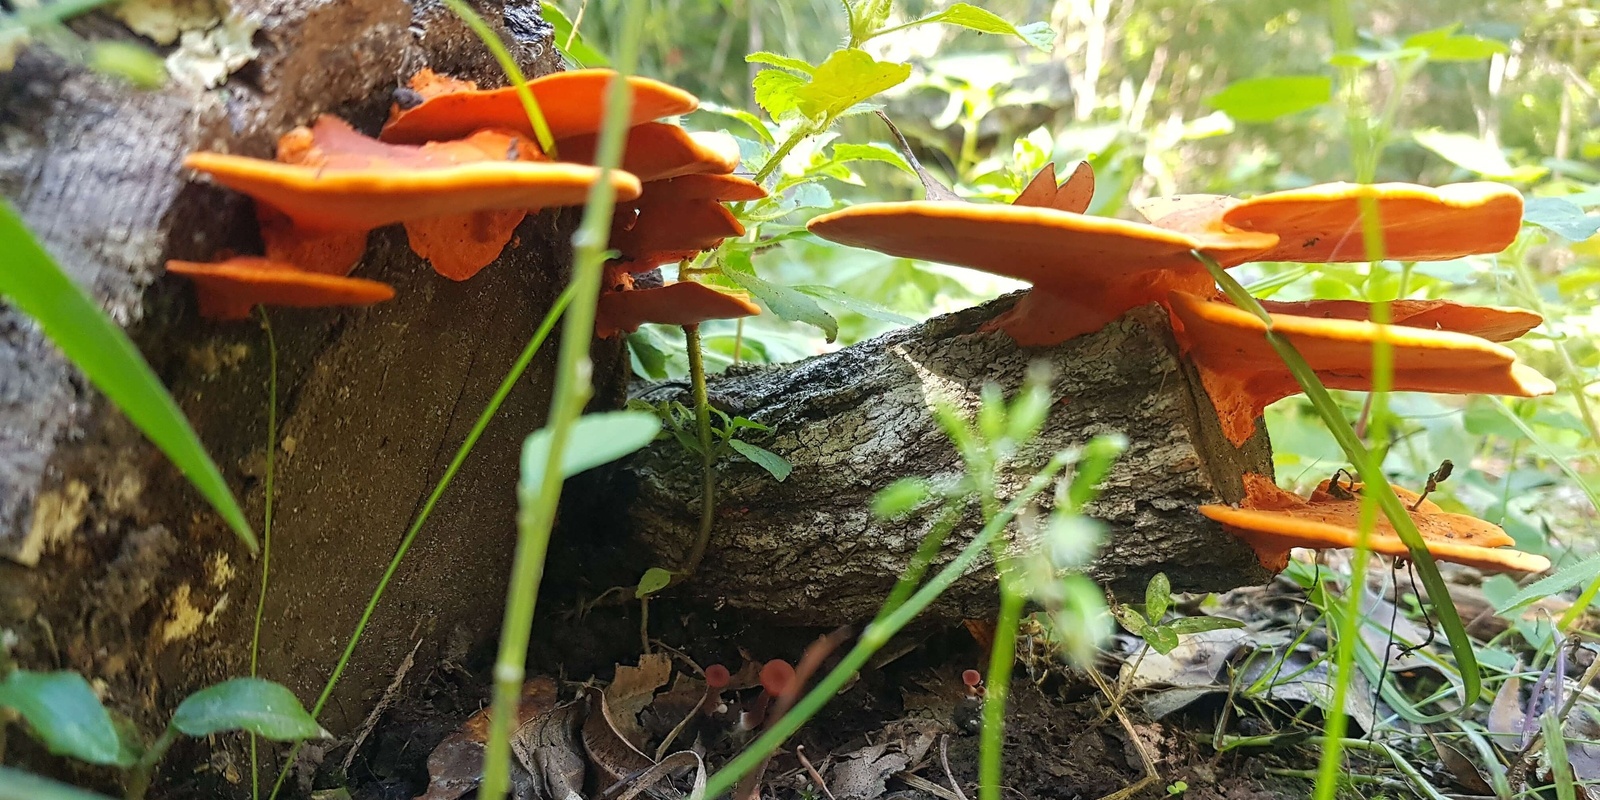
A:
(867, 17)
(1188, 625)
(1161, 639)
(32, 281)
(750, 121)
(787, 303)
(653, 580)
(865, 308)
(1266, 99)
(776, 90)
(1560, 216)
(1037, 35)
(844, 152)
(65, 714)
(1157, 597)
(777, 466)
(596, 439)
(1567, 577)
(776, 60)
(255, 705)
(845, 78)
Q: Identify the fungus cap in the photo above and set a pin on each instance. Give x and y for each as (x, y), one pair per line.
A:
(657, 151)
(230, 289)
(572, 103)
(1072, 195)
(1495, 323)
(682, 303)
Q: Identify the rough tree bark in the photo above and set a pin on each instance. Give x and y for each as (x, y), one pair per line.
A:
(808, 551)
(112, 566)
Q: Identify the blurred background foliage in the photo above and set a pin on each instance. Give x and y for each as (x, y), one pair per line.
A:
(1449, 90)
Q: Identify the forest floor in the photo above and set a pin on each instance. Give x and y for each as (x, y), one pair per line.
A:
(1226, 715)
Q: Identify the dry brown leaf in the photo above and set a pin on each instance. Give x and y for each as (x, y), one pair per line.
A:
(632, 690)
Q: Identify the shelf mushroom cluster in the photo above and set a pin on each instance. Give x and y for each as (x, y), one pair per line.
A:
(1087, 271)
(460, 168)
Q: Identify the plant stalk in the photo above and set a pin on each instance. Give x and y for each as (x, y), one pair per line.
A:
(266, 529)
(708, 454)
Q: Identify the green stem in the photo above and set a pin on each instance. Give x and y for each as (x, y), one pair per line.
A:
(997, 686)
(266, 528)
(572, 391)
(776, 159)
(875, 637)
(708, 455)
(493, 407)
(139, 776)
(918, 566)
(491, 40)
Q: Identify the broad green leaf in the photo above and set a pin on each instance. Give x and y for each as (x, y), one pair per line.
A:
(65, 714)
(845, 152)
(865, 308)
(777, 466)
(31, 280)
(1561, 216)
(1444, 44)
(573, 47)
(788, 304)
(900, 498)
(1161, 639)
(653, 580)
(785, 62)
(1131, 620)
(596, 439)
(16, 784)
(1266, 99)
(1476, 155)
(750, 121)
(1157, 597)
(776, 92)
(867, 17)
(1038, 35)
(1188, 625)
(254, 705)
(649, 361)
(844, 79)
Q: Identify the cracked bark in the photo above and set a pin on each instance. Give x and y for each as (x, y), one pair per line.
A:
(808, 551)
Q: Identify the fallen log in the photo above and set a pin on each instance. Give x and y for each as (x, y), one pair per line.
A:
(808, 550)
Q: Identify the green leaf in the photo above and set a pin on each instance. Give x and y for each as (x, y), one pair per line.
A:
(845, 152)
(850, 302)
(1188, 625)
(16, 784)
(900, 498)
(596, 439)
(573, 47)
(867, 17)
(1266, 99)
(1561, 580)
(776, 92)
(1161, 639)
(777, 466)
(1444, 44)
(844, 79)
(787, 303)
(1475, 155)
(784, 62)
(1131, 620)
(1038, 35)
(750, 120)
(130, 62)
(254, 705)
(65, 714)
(651, 360)
(653, 580)
(1560, 216)
(1157, 597)
(33, 282)
(1555, 745)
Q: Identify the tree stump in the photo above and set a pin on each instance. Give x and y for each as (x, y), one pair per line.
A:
(112, 566)
(808, 550)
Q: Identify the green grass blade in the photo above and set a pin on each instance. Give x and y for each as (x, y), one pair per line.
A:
(34, 283)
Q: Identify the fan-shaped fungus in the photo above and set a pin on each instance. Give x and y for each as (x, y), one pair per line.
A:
(656, 151)
(682, 303)
(1273, 521)
(230, 289)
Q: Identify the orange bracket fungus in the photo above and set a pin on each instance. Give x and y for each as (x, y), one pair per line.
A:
(230, 289)
(1273, 521)
(677, 218)
(460, 199)
(681, 303)
(435, 108)
(656, 151)
(1071, 195)
(1243, 374)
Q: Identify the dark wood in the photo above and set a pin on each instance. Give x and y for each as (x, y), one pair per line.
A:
(808, 551)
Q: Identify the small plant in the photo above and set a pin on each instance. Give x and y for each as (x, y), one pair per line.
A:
(1177, 788)
(1162, 637)
(63, 712)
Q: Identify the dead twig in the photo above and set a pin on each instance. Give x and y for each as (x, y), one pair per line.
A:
(816, 777)
(1150, 774)
(944, 761)
(384, 702)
